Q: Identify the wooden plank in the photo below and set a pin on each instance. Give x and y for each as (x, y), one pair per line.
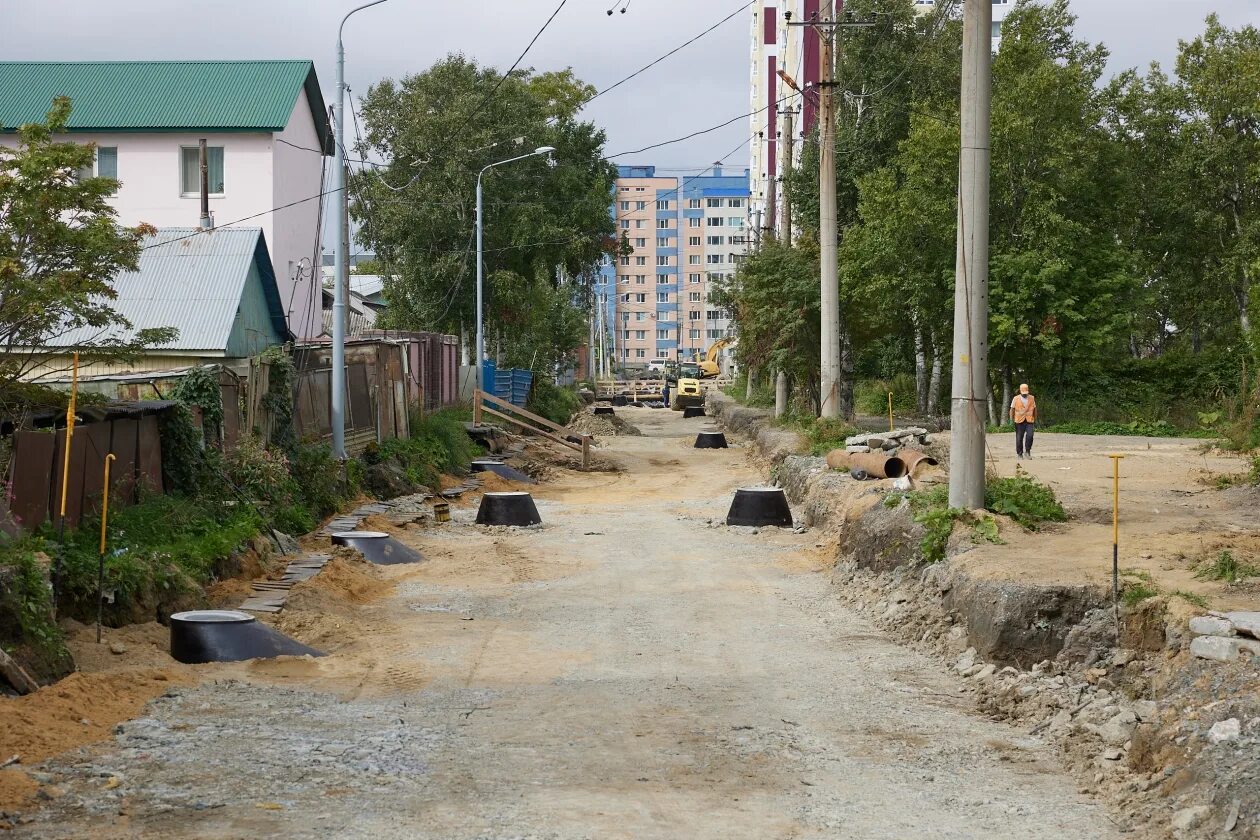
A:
(575, 447)
(16, 676)
(542, 421)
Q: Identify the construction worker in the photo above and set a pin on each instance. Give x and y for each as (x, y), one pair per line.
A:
(665, 393)
(1024, 415)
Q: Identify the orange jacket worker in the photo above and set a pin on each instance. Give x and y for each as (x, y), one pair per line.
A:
(1024, 415)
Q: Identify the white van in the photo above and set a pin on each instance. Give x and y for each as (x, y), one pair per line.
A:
(658, 365)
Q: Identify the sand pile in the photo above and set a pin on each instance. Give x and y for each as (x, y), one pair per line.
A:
(602, 425)
(78, 710)
(132, 646)
(341, 580)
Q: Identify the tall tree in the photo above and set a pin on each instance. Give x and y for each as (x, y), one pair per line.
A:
(60, 248)
(438, 129)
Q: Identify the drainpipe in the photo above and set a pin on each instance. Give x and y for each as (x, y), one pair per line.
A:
(202, 159)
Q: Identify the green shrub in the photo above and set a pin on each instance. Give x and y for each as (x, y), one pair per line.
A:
(549, 400)
(1135, 592)
(164, 543)
(439, 443)
(1138, 428)
(1024, 499)
(871, 396)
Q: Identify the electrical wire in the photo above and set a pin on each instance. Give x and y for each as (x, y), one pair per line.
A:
(503, 78)
(675, 50)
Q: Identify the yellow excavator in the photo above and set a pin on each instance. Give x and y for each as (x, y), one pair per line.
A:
(708, 366)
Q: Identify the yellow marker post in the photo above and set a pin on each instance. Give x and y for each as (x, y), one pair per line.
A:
(1115, 538)
(100, 566)
(65, 481)
(890, 416)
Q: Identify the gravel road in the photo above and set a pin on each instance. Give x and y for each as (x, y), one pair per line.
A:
(626, 670)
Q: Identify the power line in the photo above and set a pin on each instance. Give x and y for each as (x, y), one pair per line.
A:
(511, 69)
(700, 132)
(676, 49)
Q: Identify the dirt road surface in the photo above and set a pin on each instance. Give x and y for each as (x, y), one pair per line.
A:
(627, 670)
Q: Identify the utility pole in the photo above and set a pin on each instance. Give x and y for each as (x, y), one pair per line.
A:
(971, 289)
(343, 278)
(341, 268)
(828, 29)
(785, 205)
(828, 233)
(771, 198)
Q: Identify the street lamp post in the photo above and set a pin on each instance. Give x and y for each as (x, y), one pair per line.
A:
(481, 337)
(341, 264)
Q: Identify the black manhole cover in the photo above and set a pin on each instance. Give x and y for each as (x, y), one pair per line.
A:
(710, 440)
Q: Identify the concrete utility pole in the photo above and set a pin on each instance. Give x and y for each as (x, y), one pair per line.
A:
(785, 204)
(971, 291)
(203, 163)
(827, 221)
(341, 264)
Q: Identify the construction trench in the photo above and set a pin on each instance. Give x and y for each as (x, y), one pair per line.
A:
(632, 667)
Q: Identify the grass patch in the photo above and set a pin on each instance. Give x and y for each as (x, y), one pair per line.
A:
(930, 508)
(822, 434)
(1226, 568)
(1024, 499)
(1137, 428)
(1135, 592)
(1192, 598)
(439, 443)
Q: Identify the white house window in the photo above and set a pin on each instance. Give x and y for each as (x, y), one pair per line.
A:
(715, 202)
(640, 316)
(662, 260)
(716, 259)
(625, 260)
(693, 204)
(106, 165)
(640, 353)
(663, 224)
(693, 240)
(662, 279)
(190, 170)
(625, 224)
(716, 240)
(663, 335)
(736, 202)
(640, 242)
(715, 221)
(693, 334)
(662, 205)
(662, 297)
(693, 259)
(662, 242)
(695, 298)
(693, 278)
(625, 205)
(693, 222)
(640, 260)
(640, 205)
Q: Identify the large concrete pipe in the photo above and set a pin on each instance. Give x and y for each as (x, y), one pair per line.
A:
(912, 458)
(879, 466)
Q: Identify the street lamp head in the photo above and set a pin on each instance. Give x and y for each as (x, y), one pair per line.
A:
(544, 150)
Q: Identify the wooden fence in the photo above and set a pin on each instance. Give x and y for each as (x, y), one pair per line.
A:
(484, 403)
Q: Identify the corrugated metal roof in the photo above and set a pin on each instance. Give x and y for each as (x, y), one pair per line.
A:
(367, 284)
(161, 95)
(188, 279)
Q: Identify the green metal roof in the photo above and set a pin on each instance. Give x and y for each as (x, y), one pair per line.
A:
(162, 95)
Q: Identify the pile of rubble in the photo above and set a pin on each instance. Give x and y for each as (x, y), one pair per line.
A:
(1225, 637)
(888, 443)
(601, 425)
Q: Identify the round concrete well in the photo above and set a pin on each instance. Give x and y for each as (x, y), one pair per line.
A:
(760, 506)
(378, 547)
(694, 411)
(512, 508)
(200, 636)
(620, 400)
(604, 409)
(710, 440)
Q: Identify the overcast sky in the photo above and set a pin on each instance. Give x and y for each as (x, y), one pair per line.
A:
(702, 86)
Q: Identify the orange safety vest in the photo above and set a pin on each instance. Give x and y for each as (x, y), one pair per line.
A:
(1025, 408)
